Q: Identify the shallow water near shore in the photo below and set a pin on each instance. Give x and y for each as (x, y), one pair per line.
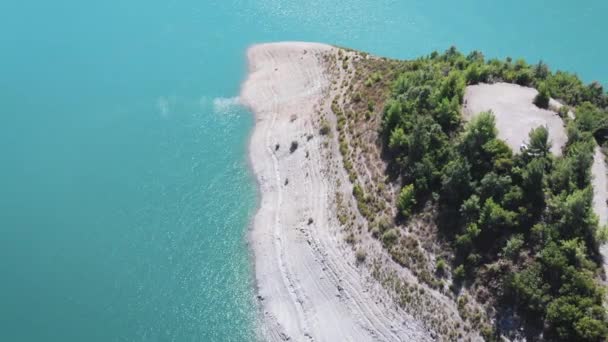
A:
(126, 194)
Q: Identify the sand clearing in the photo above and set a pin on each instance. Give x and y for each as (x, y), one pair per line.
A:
(308, 284)
(515, 113)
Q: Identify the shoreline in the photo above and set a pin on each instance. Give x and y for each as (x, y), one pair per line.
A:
(307, 283)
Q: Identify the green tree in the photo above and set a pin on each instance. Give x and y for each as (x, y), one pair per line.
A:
(494, 218)
(541, 71)
(574, 318)
(580, 155)
(592, 329)
(562, 176)
(392, 115)
(453, 86)
(539, 144)
(398, 140)
(406, 200)
(456, 182)
(594, 93)
(589, 118)
(513, 247)
(479, 131)
(530, 289)
(571, 214)
(447, 113)
(470, 209)
(566, 87)
(494, 186)
(542, 98)
(533, 181)
(499, 155)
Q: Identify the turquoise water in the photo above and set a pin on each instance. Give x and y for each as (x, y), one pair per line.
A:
(124, 190)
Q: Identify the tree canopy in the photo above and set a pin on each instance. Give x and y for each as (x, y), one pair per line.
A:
(531, 211)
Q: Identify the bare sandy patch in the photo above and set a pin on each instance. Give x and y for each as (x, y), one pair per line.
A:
(515, 113)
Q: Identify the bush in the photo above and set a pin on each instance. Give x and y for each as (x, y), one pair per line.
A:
(563, 112)
(293, 147)
(406, 200)
(358, 193)
(325, 128)
(459, 273)
(566, 87)
(488, 334)
(440, 267)
(601, 235)
(390, 237)
(513, 247)
(383, 224)
(361, 254)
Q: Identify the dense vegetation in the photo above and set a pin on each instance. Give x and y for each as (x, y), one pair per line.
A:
(522, 224)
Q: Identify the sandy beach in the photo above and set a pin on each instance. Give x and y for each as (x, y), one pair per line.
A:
(309, 285)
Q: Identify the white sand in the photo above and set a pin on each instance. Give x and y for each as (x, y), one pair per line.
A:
(515, 113)
(309, 286)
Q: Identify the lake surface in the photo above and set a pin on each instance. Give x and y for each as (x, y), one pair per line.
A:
(125, 194)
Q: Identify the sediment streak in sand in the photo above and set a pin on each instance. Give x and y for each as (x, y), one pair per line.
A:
(309, 286)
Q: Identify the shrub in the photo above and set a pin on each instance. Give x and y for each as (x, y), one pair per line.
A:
(541, 70)
(370, 106)
(563, 111)
(358, 193)
(487, 332)
(383, 224)
(602, 235)
(513, 247)
(390, 237)
(459, 273)
(361, 254)
(325, 128)
(566, 87)
(406, 200)
(440, 268)
(293, 147)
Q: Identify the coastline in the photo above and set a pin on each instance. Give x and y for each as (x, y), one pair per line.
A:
(308, 285)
